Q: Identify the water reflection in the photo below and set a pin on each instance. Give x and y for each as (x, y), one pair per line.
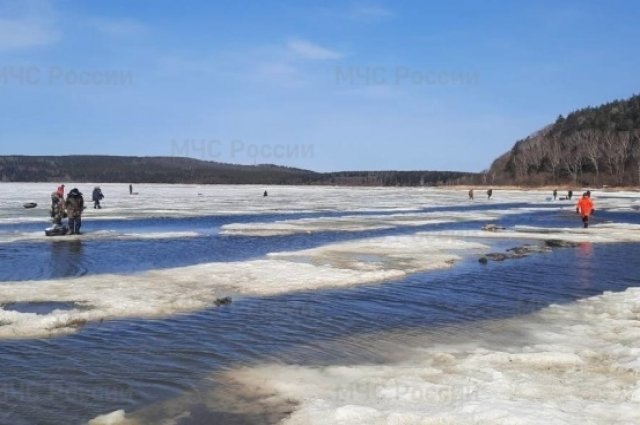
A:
(584, 253)
(66, 258)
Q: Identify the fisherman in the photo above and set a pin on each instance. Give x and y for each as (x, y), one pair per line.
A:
(555, 194)
(471, 194)
(585, 208)
(97, 196)
(569, 194)
(265, 194)
(60, 191)
(57, 209)
(57, 214)
(75, 205)
(130, 189)
(489, 193)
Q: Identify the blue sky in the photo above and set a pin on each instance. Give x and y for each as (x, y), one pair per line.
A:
(320, 85)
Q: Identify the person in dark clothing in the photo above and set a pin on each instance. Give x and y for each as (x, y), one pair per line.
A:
(74, 206)
(569, 194)
(130, 189)
(265, 193)
(555, 194)
(97, 196)
(471, 194)
(489, 193)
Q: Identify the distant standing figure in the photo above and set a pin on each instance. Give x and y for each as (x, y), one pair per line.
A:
(97, 196)
(569, 194)
(130, 189)
(555, 194)
(585, 208)
(489, 193)
(265, 194)
(471, 194)
(74, 205)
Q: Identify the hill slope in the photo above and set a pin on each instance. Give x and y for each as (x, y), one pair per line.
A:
(596, 146)
(123, 169)
(126, 169)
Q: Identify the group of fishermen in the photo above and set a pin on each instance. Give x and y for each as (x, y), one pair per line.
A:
(71, 208)
(584, 207)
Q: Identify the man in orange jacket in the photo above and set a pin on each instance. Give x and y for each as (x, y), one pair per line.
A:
(585, 208)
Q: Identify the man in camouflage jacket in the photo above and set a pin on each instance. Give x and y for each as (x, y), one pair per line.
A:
(57, 208)
(75, 206)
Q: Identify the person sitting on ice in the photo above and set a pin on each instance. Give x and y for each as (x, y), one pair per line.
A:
(75, 206)
(97, 196)
(585, 208)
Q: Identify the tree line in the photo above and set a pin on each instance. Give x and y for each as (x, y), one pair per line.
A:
(116, 169)
(591, 146)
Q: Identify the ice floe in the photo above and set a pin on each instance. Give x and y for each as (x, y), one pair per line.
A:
(570, 364)
(165, 292)
(163, 200)
(598, 233)
(97, 235)
(357, 223)
(567, 364)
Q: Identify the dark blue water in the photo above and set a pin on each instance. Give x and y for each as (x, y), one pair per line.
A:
(132, 363)
(64, 258)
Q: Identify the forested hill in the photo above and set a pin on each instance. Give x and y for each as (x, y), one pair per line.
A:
(122, 169)
(128, 169)
(591, 146)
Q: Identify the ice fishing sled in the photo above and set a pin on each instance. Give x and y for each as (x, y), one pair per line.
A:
(56, 230)
(29, 205)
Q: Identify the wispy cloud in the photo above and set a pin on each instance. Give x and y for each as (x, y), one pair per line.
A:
(124, 27)
(25, 33)
(370, 13)
(308, 50)
(27, 24)
(375, 92)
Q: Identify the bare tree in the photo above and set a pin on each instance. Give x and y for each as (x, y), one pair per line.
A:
(590, 148)
(609, 142)
(554, 156)
(620, 153)
(572, 162)
(634, 143)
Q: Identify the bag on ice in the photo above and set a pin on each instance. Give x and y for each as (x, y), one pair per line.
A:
(57, 230)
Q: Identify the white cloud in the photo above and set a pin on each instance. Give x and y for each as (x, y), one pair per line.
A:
(24, 33)
(370, 13)
(308, 50)
(27, 23)
(119, 27)
(377, 92)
